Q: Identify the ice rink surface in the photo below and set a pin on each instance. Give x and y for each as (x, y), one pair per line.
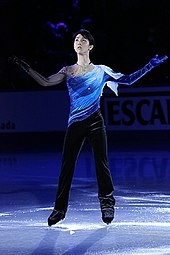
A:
(142, 214)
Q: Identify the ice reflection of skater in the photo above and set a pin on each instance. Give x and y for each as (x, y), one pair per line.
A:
(85, 82)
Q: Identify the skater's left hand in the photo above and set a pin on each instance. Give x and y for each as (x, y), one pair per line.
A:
(155, 61)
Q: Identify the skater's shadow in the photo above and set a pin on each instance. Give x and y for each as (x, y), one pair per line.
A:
(47, 244)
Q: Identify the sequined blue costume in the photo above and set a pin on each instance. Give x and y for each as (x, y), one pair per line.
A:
(85, 90)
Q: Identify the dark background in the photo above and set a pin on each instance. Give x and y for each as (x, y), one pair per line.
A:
(128, 34)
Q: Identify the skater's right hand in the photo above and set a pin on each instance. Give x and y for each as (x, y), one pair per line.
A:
(20, 63)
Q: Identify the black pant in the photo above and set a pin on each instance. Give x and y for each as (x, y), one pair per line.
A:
(93, 129)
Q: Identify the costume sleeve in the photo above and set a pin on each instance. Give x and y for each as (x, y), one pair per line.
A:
(114, 78)
(58, 77)
(131, 78)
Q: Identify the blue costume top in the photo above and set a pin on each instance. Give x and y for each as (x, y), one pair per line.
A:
(85, 91)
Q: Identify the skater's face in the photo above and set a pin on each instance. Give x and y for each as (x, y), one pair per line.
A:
(82, 45)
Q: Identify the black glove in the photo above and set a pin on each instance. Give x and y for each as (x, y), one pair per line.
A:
(20, 63)
(155, 61)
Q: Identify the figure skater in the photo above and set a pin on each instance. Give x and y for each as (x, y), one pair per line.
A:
(85, 82)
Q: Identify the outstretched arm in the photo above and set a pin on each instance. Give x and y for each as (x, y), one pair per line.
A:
(130, 79)
(49, 81)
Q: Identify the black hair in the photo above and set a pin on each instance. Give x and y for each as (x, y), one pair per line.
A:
(86, 34)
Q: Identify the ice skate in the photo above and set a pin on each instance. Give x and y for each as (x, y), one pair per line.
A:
(55, 217)
(107, 208)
